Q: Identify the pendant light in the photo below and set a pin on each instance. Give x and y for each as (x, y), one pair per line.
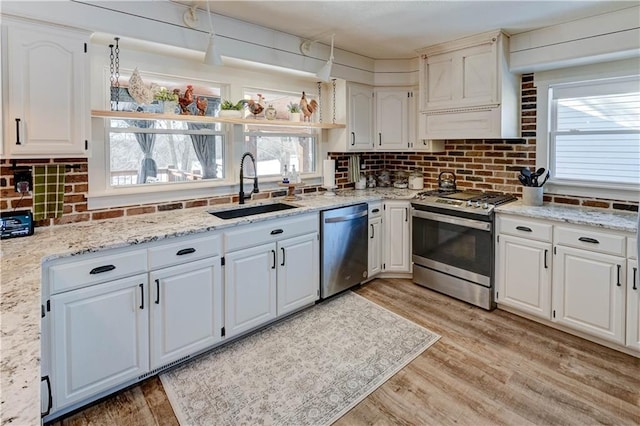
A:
(211, 56)
(325, 72)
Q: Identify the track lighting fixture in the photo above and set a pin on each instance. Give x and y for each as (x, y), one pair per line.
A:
(211, 56)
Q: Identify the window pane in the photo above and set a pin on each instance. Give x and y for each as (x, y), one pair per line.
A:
(595, 132)
(176, 157)
(614, 112)
(598, 158)
(272, 152)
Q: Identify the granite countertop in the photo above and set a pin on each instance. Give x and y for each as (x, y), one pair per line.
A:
(20, 268)
(607, 219)
(21, 259)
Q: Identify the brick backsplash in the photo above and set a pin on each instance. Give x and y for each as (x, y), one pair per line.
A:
(77, 187)
(489, 165)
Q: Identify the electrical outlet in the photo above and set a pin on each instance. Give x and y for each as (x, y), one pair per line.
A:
(23, 181)
(22, 186)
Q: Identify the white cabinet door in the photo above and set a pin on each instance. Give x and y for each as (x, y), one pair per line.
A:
(48, 111)
(375, 246)
(523, 277)
(100, 338)
(633, 305)
(250, 288)
(186, 310)
(461, 78)
(589, 292)
(298, 275)
(397, 247)
(392, 119)
(360, 117)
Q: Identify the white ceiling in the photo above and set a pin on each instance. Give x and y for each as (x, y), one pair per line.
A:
(395, 29)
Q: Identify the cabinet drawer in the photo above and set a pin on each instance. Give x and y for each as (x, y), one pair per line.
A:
(96, 269)
(525, 228)
(184, 250)
(269, 231)
(587, 239)
(375, 209)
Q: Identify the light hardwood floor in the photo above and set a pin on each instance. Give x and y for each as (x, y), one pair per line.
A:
(489, 368)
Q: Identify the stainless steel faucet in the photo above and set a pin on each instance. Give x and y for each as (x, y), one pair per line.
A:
(242, 197)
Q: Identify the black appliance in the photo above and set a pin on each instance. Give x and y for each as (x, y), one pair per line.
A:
(16, 224)
(453, 244)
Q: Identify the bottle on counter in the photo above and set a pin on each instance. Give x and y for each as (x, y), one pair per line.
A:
(295, 178)
(285, 174)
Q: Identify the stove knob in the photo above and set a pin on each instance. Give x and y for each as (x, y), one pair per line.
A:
(485, 205)
(477, 204)
(469, 203)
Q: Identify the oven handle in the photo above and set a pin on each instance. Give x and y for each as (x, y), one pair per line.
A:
(469, 223)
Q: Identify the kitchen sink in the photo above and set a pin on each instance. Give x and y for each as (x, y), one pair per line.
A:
(249, 211)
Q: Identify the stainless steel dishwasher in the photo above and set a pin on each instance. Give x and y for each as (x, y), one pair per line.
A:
(343, 256)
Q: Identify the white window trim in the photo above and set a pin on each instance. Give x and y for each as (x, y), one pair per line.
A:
(542, 81)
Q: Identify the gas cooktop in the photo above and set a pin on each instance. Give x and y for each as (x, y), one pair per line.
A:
(470, 201)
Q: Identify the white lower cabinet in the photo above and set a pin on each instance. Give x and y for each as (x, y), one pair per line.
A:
(397, 231)
(374, 245)
(270, 280)
(100, 338)
(298, 275)
(523, 275)
(589, 292)
(271, 269)
(582, 278)
(250, 288)
(633, 305)
(186, 310)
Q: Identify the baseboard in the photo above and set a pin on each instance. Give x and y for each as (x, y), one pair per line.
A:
(568, 330)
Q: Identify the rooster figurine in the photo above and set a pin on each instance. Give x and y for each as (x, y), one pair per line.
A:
(307, 108)
(186, 100)
(255, 107)
(201, 104)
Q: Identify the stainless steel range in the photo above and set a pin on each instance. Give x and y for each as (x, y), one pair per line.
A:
(453, 243)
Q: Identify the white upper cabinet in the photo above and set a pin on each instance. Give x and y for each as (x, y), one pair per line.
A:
(354, 105)
(46, 109)
(467, 91)
(392, 119)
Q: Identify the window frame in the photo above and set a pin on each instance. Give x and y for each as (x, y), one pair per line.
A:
(103, 195)
(544, 81)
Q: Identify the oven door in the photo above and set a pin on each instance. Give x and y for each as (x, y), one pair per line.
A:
(453, 245)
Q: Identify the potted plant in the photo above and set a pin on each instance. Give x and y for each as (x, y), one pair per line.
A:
(168, 100)
(294, 111)
(229, 109)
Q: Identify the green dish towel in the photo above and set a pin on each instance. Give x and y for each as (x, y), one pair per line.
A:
(48, 191)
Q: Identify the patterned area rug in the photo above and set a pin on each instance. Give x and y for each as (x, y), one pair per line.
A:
(308, 369)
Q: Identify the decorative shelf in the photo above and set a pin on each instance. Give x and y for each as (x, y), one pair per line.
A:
(128, 115)
(291, 196)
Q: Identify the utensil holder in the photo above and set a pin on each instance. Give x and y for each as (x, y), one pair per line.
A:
(532, 195)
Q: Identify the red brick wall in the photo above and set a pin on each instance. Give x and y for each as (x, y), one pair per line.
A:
(77, 187)
(489, 165)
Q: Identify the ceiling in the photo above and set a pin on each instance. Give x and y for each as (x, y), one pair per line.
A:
(395, 29)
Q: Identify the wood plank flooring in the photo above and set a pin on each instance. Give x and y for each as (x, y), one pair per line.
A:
(489, 368)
